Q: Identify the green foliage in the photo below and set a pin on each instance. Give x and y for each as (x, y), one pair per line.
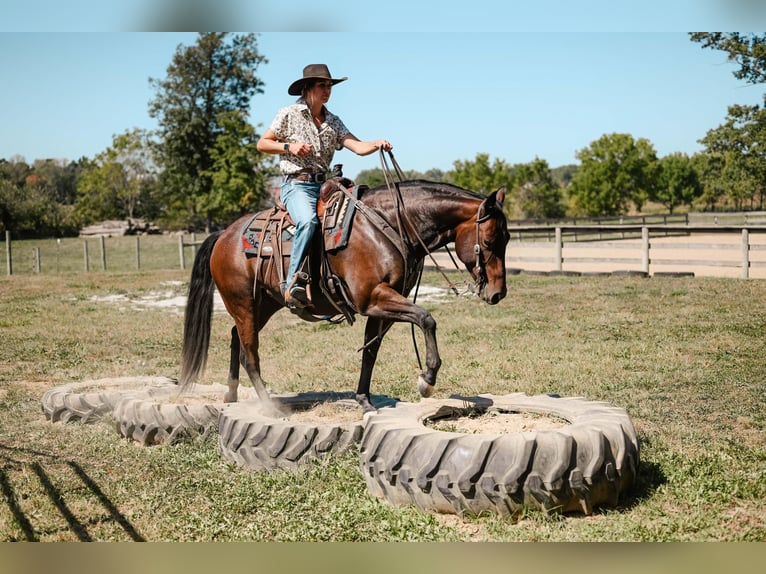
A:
(120, 181)
(481, 176)
(374, 177)
(678, 182)
(537, 195)
(746, 50)
(204, 82)
(37, 199)
(238, 173)
(737, 157)
(616, 172)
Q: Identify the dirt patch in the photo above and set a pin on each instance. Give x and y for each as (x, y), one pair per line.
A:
(330, 412)
(494, 422)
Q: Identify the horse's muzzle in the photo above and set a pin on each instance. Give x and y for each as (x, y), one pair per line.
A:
(493, 296)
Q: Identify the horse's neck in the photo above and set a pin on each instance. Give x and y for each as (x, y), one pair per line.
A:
(434, 215)
(440, 220)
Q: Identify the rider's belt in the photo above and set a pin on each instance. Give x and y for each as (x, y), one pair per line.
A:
(307, 177)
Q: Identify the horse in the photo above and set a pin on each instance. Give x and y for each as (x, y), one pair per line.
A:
(377, 269)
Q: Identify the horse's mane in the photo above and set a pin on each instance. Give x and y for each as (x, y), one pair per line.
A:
(422, 186)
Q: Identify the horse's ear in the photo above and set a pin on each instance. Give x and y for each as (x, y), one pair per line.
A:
(495, 197)
(500, 195)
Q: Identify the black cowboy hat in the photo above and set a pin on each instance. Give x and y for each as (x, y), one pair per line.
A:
(311, 72)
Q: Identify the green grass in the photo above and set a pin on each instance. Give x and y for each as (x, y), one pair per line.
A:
(683, 356)
(121, 253)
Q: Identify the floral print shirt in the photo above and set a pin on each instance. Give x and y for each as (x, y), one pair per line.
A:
(294, 124)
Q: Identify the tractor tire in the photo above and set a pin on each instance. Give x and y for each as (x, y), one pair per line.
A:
(589, 461)
(260, 441)
(171, 418)
(89, 401)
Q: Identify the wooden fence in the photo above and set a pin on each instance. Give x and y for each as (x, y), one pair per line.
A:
(98, 253)
(708, 249)
(714, 250)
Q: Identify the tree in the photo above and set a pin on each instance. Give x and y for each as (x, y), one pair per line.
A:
(537, 195)
(615, 171)
(374, 177)
(746, 50)
(118, 180)
(238, 175)
(36, 200)
(739, 149)
(478, 175)
(678, 183)
(203, 82)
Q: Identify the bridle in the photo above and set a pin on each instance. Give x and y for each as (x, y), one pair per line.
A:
(402, 218)
(481, 270)
(475, 286)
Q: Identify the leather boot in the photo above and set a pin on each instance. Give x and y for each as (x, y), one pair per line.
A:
(296, 294)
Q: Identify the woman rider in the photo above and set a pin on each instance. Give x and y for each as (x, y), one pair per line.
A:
(306, 135)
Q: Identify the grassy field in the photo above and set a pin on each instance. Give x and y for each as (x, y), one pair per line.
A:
(684, 357)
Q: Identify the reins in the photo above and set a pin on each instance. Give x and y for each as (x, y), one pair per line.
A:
(401, 215)
(402, 218)
(405, 231)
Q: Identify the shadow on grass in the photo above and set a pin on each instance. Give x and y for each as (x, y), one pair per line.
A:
(77, 526)
(648, 479)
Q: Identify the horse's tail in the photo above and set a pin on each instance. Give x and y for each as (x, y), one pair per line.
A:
(198, 315)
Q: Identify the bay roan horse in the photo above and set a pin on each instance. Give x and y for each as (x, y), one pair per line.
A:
(376, 270)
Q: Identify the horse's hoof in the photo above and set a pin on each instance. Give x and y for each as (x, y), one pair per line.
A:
(364, 402)
(229, 397)
(425, 389)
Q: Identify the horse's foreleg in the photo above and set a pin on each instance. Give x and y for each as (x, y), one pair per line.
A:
(427, 379)
(236, 355)
(388, 305)
(374, 331)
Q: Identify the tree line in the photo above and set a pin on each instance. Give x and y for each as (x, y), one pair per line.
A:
(200, 169)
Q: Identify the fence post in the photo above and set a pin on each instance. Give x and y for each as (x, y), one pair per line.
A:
(8, 260)
(36, 253)
(138, 252)
(181, 250)
(103, 252)
(745, 254)
(559, 251)
(85, 255)
(645, 249)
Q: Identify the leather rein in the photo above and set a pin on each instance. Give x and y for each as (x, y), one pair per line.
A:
(393, 187)
(402, 241)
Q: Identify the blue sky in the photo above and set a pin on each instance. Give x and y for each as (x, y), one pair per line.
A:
(437, 96)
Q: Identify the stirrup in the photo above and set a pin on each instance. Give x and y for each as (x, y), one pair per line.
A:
(296, 294)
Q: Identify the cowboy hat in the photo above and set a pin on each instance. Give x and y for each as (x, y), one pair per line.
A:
(311, 72)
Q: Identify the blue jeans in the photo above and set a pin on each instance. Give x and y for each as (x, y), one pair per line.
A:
(300, 199)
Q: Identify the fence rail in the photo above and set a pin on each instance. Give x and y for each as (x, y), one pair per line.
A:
(708, 249)
(700, 249)
(99, 253)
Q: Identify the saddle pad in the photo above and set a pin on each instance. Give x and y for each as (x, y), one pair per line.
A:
(338, 217)
(263, 228)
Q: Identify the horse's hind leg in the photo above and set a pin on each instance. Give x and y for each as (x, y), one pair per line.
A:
(234, 361)
(374, 331)
(248, 328)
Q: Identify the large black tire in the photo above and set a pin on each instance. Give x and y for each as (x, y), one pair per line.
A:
(259, 441)
(89, 401)
(589, 461)
(170, 418)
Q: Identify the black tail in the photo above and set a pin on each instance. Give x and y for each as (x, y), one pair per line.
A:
(198, 315)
